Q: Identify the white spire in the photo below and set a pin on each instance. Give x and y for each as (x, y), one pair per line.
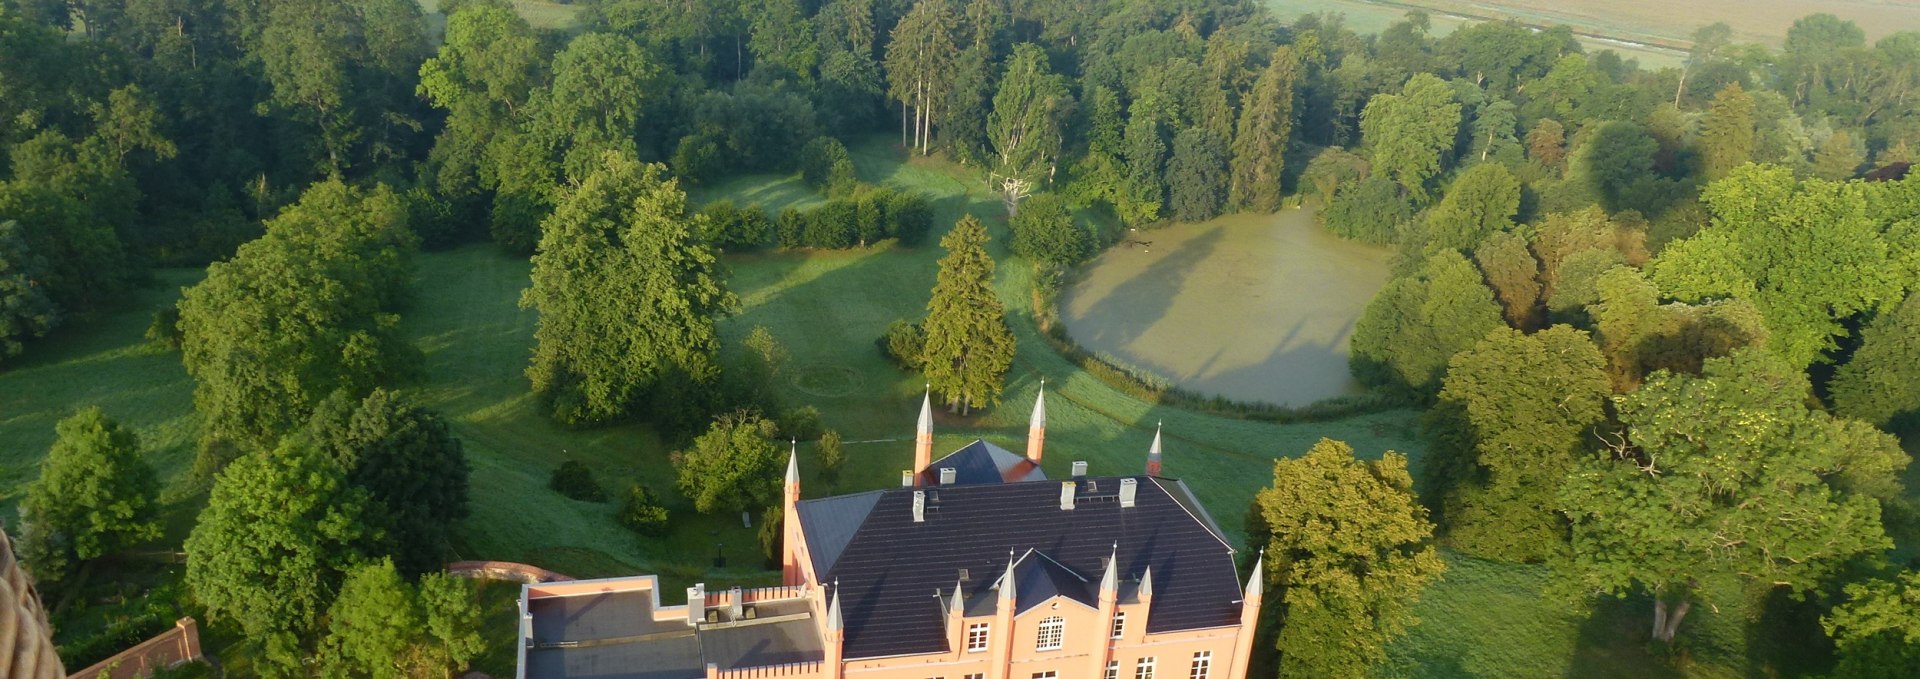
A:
(959, 598)
(1153, 453)
(793, 463)
(1039, 419)
(1110, 582)
(833, 609)
(1006, 581)
(926, 413)
(1146, 583)
(1256, 583)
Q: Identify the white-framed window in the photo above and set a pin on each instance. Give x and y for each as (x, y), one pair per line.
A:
(1113, 669)
(1202, 665)
(977, 637)
(1053, 632)
(1119, 624)
(1049, 674)
(1143, 669)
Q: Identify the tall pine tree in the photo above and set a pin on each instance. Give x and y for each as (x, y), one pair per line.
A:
(1726, 137)
(1260, 143)
(920, 68)
(969, 347)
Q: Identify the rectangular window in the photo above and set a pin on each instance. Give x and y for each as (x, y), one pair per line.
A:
(1119, 624)
(1053, 631)
(974, 676)
(1113, 669)
(1046, 675)
(977, 637)
(1143, 669)
(1202, 664)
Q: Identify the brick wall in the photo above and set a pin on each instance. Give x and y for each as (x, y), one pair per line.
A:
(172, 647)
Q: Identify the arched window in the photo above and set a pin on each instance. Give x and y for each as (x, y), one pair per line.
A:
(1053, 631)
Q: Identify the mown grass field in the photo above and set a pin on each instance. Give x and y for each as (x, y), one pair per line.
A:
(1484, 619)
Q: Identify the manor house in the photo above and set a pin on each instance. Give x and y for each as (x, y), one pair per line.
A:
(977, 567)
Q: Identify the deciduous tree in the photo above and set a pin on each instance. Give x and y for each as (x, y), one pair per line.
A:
(1480, 203)
(1881, 384)
(734, 467)
(95, 496)
(411, 466)
(1412, 131)
(1876, 633)
(1025, 126)
(1347, 553)
(1417, 323)
(1726, 476)
(626, 294)
(1726, 136)
(25, 311)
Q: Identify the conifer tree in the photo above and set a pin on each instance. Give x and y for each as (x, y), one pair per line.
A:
(920, 68)
(969, 347)
(1726, 137)
(1260, 142)
(1839, 157)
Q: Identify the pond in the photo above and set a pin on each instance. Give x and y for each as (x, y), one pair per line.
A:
(1250, 307)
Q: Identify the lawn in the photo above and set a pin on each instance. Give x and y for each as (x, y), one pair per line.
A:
(1484, 619)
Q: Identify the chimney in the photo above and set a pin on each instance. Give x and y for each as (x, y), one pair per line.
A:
(906, 478)
(1037, 425)
(1066, 495)
(1153, 453)
(696, 603)
(923, 437)
(947, 475)
(1129, 490)
(737, 604)
(1079, 468)
(919, 506)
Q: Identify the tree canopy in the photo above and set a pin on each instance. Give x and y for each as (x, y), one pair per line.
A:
(969, 347)
(734, 466)
(625, 294)
(1412, 132)
(96, 496)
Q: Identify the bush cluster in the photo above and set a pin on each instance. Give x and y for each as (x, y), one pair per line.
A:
(869, 215)
(826, 166)
(730, 227)
(641, 512)
(903, 343)
(575, 480)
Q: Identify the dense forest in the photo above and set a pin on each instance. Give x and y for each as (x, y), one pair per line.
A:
(1661, 322)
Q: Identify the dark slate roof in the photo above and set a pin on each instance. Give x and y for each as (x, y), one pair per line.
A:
(1038, 579)
(829, 524)
(983, 463)
(892, 571)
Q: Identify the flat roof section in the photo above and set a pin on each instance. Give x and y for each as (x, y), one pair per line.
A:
(613, 635)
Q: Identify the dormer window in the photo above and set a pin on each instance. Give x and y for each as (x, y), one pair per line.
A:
(1053, 632)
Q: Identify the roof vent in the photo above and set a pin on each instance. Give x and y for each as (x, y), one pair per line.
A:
(906, 478)
(1066, 494)
(696, 603)
(1129, 489)
(919, 506)
(1079, 468)
(947, 475)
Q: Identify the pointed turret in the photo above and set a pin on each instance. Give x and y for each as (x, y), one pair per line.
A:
(1110, 582)
(834, 634)
(834, 624)
(1146, 584)
(959, 599)
(1153, 453)
(790, 574)
(1037, 425)
(1249, 616)
(923, 438)
(1007, 595)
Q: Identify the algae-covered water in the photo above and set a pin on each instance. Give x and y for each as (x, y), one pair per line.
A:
(1250, 307)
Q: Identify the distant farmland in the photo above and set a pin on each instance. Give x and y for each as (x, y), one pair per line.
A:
(1662, 24)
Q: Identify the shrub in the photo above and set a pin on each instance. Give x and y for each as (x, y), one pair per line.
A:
(826, 166)
(832, 455)
(728, 226)
(575, 480)
(903, 343)
(800, 423)
(697, 158)
(640, 511)
(432, 218)
(1044, 232)
(772, 535)
(869, 216)
(790, 229)
(911, 216)
(831, 226)
(164, 331)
